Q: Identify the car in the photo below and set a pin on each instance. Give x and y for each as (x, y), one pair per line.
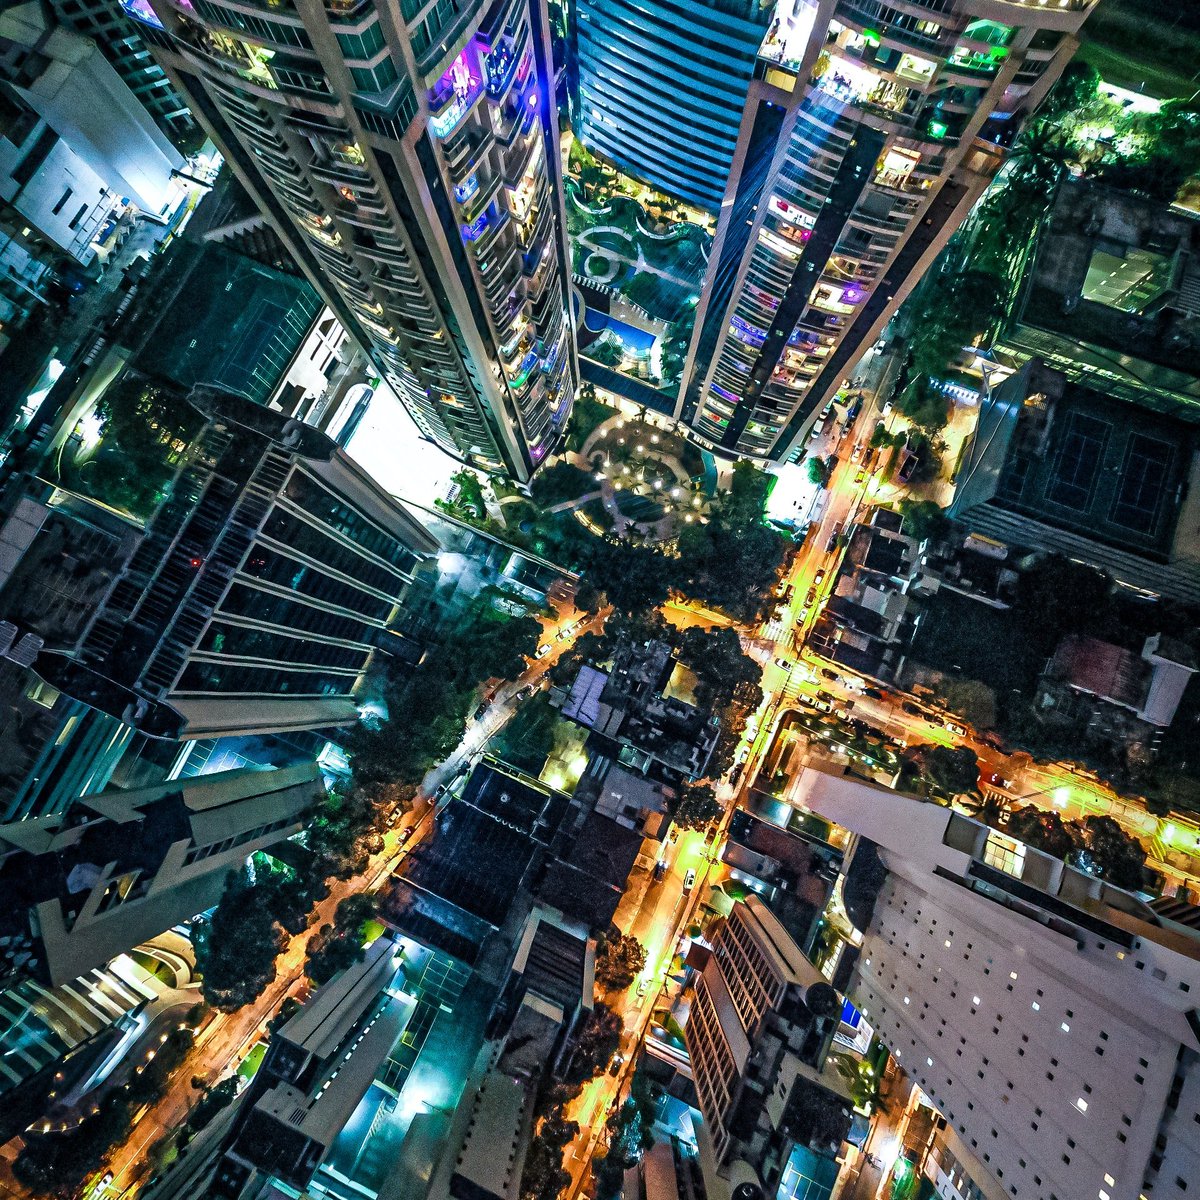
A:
(991, 738)
(615, 1064)
(826, 673)
(689, 880)
(660, 869)
(783, 662)
(817, 430)
(811, 598)
(643, 988)
(913, 710)
(542, 651)
(955, 728)
(842, 714)
(483, 707)
(856, 453)
(995, 779)
(819, 578)
(874, 693)
(822, 705)
(525, 692)
(831, 544)
(802, 616)
(806, 699)
(860, 475)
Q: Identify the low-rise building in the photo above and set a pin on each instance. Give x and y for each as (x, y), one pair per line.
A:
(1058, 465)
(643, 713)
(869, 618)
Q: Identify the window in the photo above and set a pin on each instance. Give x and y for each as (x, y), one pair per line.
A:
(74, 221)
(62, 200)
(1005, 854)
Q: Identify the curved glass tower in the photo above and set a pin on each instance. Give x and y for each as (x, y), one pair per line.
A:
(661, 85)
(408, 155)
(860, 154)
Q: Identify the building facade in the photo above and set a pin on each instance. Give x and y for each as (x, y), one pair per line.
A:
(867, 136)
(668, 118)
(760, 1024)
(1050, 1017)
(258, 593)
(409, 159)
(120, 868)
(108, 24)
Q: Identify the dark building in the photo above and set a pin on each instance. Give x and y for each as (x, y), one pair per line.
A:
(1057, 465)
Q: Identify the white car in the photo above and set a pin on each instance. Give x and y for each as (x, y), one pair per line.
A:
(955, 728)
(542, 651)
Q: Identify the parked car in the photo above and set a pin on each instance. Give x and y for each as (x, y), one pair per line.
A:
(913, 710)
(615, 1064)
(783, 662)
(831, 544)
(820, 578)
(874, 693)
(542, 651)
(826, 673)
(823, 705)
(660, 869)
(817, 430)
(484, 706)
(811, 598)
(689, 880)
(860, 475)
(955, 728)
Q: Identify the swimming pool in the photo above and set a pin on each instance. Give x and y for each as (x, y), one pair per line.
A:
(637, 340)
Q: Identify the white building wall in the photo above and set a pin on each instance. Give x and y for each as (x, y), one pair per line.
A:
(1051, 1054)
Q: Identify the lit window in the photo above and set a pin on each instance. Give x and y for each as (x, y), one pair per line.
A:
(1065, 1027)
(1081, 1104)
(1005, 854)
(1012, 974)
(1110, 1181)
(974, 999)
(946, 943)
(1037, 1007)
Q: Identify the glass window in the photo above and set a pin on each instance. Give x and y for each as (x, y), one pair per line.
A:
(1005, 854)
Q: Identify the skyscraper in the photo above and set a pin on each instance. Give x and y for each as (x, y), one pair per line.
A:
(409, 158)
(1049, 1016)
(862, 147)
(254, 598)
(668, 118)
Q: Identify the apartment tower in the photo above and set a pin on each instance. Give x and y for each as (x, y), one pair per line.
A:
(867, 135)
(1050, 1017)
(408, 157)
(666, 117)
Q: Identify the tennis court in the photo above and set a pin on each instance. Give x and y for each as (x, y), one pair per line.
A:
(1140, 493)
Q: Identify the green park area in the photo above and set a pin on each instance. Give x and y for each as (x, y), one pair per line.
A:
(642, 258)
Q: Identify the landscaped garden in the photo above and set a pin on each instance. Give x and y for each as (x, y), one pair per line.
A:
(642, 260)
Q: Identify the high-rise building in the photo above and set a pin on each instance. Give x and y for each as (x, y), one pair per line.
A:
(121, 867)
(255, 597)
(410, 161)
(666, 117)
(867, 136)
(1049, 1016)
(109, 25)
(759, 1027)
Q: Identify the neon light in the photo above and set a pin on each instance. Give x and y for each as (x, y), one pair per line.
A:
(465, 190)
(938, 129)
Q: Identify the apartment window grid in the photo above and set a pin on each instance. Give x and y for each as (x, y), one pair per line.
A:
(1005, 854)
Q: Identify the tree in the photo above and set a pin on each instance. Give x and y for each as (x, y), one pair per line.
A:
(1042, 830)
(339, 945)
(587, 596)
(1106, 850)
(598, 1042)
(1057, 595)
(619, 960)
(215, 1098)
(972, 700)
(924, 520)
(696, 806)
(819, 470)
(288, 898)
(945, 770)
(717, 658)
(924, 404)
(236, 947)
(633, 578)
